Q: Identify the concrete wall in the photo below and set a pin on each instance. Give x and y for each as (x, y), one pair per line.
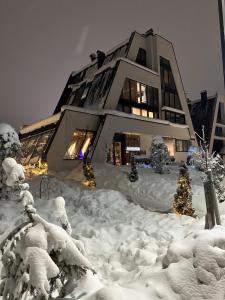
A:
(70, 122)
(155, 46)
(114, 124)
(131, 71)
(165, 49)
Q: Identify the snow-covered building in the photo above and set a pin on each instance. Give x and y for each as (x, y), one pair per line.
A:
(210, 112)
(116, 104)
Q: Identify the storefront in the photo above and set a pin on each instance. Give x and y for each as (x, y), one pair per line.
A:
(126, 144)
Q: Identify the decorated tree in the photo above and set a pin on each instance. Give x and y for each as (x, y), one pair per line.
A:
(40, 259)
(9, 147)
(133, 176)
(88, 172)
(183, 198)
(159, 155)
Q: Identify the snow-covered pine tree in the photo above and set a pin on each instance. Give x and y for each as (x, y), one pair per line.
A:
(39, 258)
(182, 204)
(133, 176)
(159, 154)
(9, 147)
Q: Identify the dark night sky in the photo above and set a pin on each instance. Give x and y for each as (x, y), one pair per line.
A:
(42, 41)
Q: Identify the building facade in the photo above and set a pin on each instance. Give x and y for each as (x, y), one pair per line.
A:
(114, 107)
(210, 112)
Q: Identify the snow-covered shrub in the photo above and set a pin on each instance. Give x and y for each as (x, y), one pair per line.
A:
(215, 163)
(60, 214)
(9, 146)
(159, 155)
(39, 257)
(9, 142)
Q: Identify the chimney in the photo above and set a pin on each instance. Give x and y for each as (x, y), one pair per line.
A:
(92, 56)
(149, 32)
(204, 98)
(100, 58)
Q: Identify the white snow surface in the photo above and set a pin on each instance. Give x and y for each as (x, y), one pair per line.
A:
(128, 245)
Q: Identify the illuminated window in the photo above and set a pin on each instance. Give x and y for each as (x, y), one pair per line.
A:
(136, 111)
(34, 147)
(139, 99)
(81, 140)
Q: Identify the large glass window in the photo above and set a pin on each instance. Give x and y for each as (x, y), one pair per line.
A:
(141, 57)
(79, 144)
(34, 148)
(169, 91)
(139, 99)
(98, 88)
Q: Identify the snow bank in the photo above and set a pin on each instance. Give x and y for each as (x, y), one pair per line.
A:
(137, 254)
(152, 191)
(195, 267)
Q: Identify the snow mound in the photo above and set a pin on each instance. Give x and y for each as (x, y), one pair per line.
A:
(13, 170)
(41, 268)
(195, 267)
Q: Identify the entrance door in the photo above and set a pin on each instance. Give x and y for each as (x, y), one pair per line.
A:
(117, 154)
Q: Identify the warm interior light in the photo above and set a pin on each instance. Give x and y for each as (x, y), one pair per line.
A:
(136, 111)
(170, 145)
(72, 148)
(85, 146)
(143, 93)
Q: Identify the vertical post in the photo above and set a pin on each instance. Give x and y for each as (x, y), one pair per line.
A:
(222, 37)
(210, 218)
(213, 197)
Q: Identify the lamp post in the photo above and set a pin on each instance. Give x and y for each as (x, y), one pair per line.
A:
(221, 9)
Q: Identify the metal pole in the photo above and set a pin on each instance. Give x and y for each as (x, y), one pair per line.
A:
(222, 37)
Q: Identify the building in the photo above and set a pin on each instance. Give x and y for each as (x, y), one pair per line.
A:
(210, 112)
(114, 106)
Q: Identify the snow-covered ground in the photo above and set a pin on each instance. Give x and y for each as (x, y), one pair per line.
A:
(129, 245)
(152, 191)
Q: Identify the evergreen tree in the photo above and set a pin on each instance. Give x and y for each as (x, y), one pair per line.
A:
(133, 176)
(183, 198)
(159, 154)
(88, 172)
(39, 259)
(9, 147)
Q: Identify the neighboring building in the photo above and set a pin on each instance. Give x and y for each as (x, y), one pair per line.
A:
(210, 112)
(116, 105)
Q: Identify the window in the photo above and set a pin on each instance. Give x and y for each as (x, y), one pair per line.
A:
(169, 91)
(79, 144)
(182, 145)
(77, 94)
(98, 88)
(139, 99)
(141, 57)
(41, 146)
(174, 117)
(119, 52)
(34, 148)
